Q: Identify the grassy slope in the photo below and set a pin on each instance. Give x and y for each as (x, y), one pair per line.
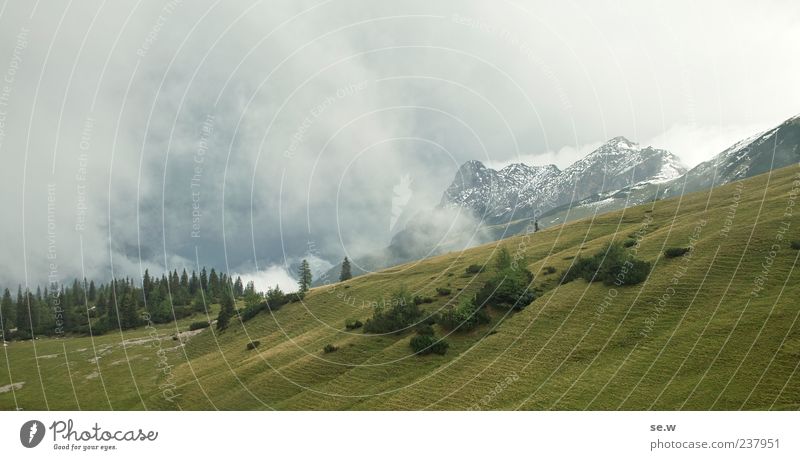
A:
(711, 346)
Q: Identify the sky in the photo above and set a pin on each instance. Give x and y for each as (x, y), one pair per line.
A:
(248, 135)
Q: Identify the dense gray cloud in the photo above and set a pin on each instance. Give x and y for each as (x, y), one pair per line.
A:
(247, 135)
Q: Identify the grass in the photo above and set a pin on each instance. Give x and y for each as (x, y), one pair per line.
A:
(710, 344)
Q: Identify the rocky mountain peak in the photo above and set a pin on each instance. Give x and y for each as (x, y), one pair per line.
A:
(517, 190)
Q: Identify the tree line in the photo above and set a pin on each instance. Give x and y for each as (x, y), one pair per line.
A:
(86, 307)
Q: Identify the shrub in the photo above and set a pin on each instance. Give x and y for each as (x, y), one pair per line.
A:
(466, 317)
(629, 273)
(796, 244)
(427, 344)
(474, 269)
(198, 325)
(253, 345)
(418, 300)
(199, 303)
(503, 259)
(353, 324)
(275, 299)
(330, 348)
(424, 329)
(443, 291)
(99, 327)
(401, 313)
(251, 311)
(629, 243)
(612, 265)
(675, 252)
(183, 311)
(509, 289)
(549, 270)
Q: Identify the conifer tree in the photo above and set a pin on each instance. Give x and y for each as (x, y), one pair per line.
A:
(128, 315)
(204, 279)
(7, 313)
(305, 276)
(193, 283)
(226, 311)
(345, 274)
(185, 280)
(238, 287)
(23, 319)
(92, 291)
(213, 286)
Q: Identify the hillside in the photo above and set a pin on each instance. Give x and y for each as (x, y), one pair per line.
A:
(711, 344)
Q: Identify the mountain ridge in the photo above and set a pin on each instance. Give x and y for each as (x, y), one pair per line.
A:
(618, 174)
(523, 190)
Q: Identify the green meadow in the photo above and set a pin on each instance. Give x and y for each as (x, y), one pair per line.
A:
(716, 328)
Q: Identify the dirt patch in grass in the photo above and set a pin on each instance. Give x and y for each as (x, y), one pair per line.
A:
(11, 386)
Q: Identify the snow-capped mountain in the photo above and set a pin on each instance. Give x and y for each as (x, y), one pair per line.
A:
(491, 194)
(771, 149)
(618, 174)
(521, 191)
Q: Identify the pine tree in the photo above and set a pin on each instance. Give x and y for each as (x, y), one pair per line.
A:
(174, 280)
(204, 279)
(238, 287)
(7, 313)
(31, 312)
(535, 226)
(100, 304)
(92, 291)
(226, 311)
(345, 274)
(128, 316)
(213, 286)
(185, 280)
(147, 282)
(193, 283)
(23, 318)
(305, 276)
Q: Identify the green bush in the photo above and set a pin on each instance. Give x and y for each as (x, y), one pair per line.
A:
(443, 291)
(249, 312)
(419, 300)
(99, 327)
(253, 345)
(199, 303)
(629, 243)
(675, 252)
(549, 270)
(509, 289)
(353, 324)
(330, 348)
(611, 265)
(427, 344)
(474, 269)
(198, 325)
(626, 274)
(400, 314)
(466, 317)
(796, 244)
(424, 329)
